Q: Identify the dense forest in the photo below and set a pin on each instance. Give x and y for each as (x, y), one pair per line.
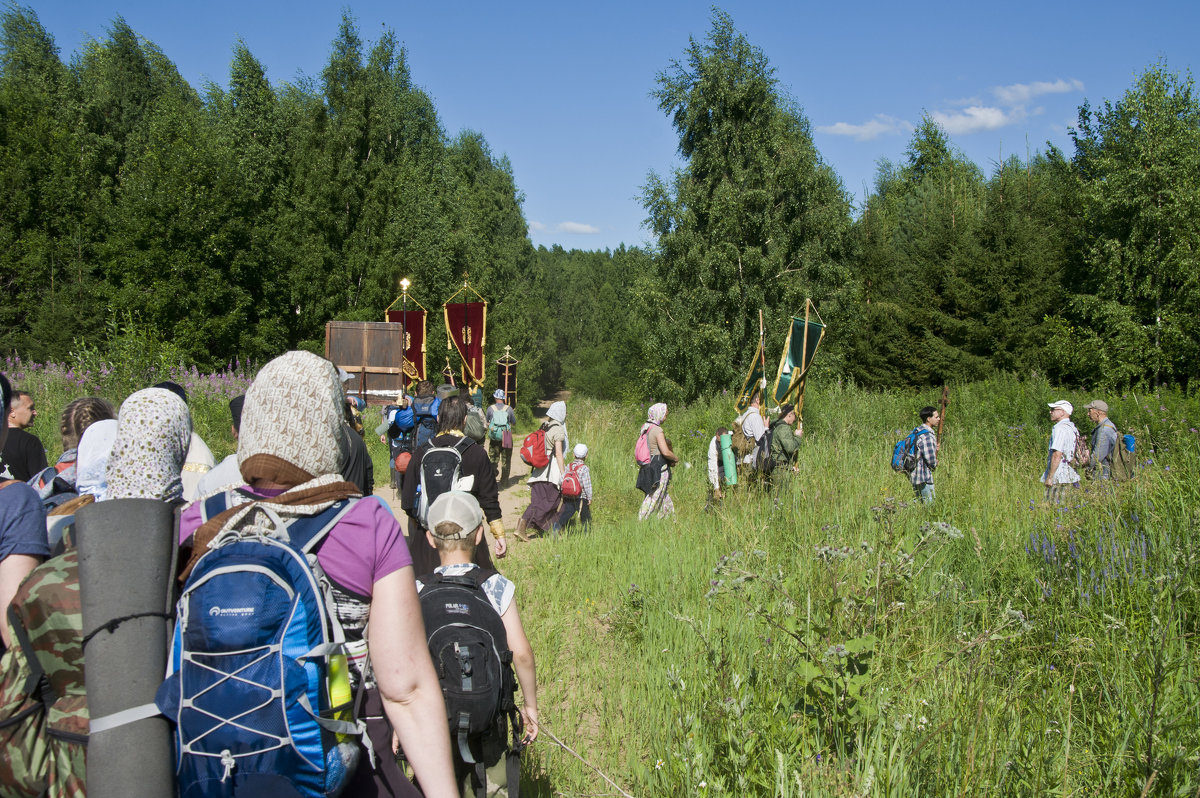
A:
(235, 222)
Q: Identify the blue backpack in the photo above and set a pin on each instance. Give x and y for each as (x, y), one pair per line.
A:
(257, 683)
(905, 453)
(425, 411)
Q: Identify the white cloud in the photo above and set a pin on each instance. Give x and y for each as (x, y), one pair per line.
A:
(1017, 94)
(537, 227)
(977, 118)
(1011, 107)
(881, 125)
(576, 227)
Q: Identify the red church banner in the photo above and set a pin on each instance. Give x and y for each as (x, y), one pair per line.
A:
(466, 328)
(413, 324)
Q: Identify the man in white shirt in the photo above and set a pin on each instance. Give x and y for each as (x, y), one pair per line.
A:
(1059, 475)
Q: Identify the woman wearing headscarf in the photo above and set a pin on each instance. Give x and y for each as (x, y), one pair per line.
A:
(56, 484)
(659, 469)
(91, 463)
(476, 476)
(545, 483)
(147, 445)
(151, 438)
(289, 454)
(154, 431)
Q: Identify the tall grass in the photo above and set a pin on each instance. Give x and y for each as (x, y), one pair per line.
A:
(826, 636)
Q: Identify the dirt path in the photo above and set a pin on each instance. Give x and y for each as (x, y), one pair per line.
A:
(514, 493)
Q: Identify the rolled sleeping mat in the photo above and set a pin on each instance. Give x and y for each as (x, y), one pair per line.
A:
(127, 549)
(728, 459)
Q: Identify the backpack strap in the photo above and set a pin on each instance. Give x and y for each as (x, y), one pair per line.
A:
(306, 533)
(37, 685)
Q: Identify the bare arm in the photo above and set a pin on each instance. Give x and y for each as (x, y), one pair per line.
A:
(408, 684)
(663, 448)
(1055, 459)
(526, 670)
(558, 455)
(13, 569)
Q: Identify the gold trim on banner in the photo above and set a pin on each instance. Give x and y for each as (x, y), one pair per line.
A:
(469, 378)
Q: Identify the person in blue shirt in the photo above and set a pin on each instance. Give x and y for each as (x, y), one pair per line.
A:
(23, 542)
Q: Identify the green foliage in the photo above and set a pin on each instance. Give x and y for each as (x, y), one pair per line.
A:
(131, 356)
(1138, 162)
(754, 221)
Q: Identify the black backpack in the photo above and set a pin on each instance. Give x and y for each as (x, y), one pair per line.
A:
(441, 467)
(425, 417)
(470, 652)
(764, 463)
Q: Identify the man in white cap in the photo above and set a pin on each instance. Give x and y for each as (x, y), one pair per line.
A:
(1104, 439)
(1058, 474)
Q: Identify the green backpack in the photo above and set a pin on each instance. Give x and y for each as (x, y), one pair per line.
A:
(43, 704)
(499, 423)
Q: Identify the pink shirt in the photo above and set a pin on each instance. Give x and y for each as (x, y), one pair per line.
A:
(364, 547)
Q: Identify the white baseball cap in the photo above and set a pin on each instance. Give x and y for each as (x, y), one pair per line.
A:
(458, 507)
(1064, 404)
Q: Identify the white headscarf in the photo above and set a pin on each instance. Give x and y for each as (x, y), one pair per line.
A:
(91, 459)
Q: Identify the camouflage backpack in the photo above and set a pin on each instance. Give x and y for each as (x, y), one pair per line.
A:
(43, 706)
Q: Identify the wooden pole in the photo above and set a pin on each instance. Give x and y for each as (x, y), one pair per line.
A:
(762, 348)
(942, 411)
(803, 366)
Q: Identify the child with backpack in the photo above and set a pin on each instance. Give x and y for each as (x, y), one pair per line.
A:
(576, 491)
(474, 628)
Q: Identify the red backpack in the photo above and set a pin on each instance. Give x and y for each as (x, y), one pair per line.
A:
(533, 448)
(572, 486)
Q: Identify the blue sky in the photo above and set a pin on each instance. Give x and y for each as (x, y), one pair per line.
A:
(563, 89)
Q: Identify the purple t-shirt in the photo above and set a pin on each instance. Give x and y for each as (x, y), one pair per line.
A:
(364, 547)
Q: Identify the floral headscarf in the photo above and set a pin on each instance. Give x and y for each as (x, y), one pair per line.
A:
(655, 416)
(91, 461)
(154, 429)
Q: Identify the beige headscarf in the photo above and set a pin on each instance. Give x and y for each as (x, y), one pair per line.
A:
(290, 435)
(291, 421)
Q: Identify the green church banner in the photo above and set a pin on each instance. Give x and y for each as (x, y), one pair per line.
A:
(803, 339)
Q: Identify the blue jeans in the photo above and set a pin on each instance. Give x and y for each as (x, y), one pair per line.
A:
(924, 492)
(569, 507)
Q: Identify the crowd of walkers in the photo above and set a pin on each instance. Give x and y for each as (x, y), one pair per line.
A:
(396, 686)
(383, 718)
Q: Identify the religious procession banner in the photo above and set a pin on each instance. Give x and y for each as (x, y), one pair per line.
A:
(754, 379)
(803, 338)
(466, 331)
(506, 376)
(412, 327)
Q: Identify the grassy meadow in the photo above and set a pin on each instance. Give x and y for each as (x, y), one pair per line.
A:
(829, 637)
